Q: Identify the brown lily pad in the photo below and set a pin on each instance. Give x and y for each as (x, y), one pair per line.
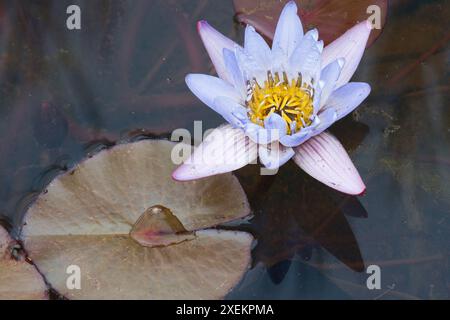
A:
(114, 216)
(331, 17)
(19, 280)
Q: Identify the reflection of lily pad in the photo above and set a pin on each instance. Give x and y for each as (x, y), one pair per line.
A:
(18, 279)
(331, 17)
(85, 218)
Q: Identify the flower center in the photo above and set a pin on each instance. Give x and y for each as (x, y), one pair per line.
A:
(293, 101)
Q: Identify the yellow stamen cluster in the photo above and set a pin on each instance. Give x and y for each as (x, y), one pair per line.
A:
(292, 100)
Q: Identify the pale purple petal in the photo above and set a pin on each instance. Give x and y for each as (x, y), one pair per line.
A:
(317, 96)
(235, 72)
(208, 88)
(274, 128)
(214, 43)
(349, 46)
(289, 30)
(306, 57)
(324, 158)
(276, 122)
(327, 118)
(274, 155)
(296, 138)
(329, 76)
(345, 99)
(261, 135)
(224, 150)
(257, 47)
(250, 67)
(234, 113)
(314, 33)
(320, 45)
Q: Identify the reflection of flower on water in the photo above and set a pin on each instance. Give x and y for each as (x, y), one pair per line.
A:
(287, 224)
(283, 99)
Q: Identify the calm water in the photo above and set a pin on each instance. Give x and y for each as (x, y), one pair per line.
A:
(64, 94)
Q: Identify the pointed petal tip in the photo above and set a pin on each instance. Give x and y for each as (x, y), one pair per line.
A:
(249, 28)
(358, 189)
(362, 193)
(314, 33)
(177, 175)
(366, 24)
(353, 188)
(184, 173)
(364, 89)
(291, 5)
(187, 78)
(354, 185)
(364, 28)
(214, 43)
(202, 24)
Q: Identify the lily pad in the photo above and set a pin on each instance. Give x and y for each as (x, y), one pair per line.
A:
(135, 233)
(19, 280)
(331, 17)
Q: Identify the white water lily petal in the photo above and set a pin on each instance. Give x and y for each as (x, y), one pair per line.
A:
(230, 110)
(235, 72)
(329, 76)
(225, 149)
(325, 159)
(345, 99)
(257, 47)
(208, 88)
(289, 31)
(306, 57)
(214, 43)
(274, 155)
(349, 46)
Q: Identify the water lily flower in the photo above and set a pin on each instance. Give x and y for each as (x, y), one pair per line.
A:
(279, 101)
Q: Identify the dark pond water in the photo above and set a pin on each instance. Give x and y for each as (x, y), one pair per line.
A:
(64, 94)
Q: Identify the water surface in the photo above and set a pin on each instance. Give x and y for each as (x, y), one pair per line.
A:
(65, 94)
